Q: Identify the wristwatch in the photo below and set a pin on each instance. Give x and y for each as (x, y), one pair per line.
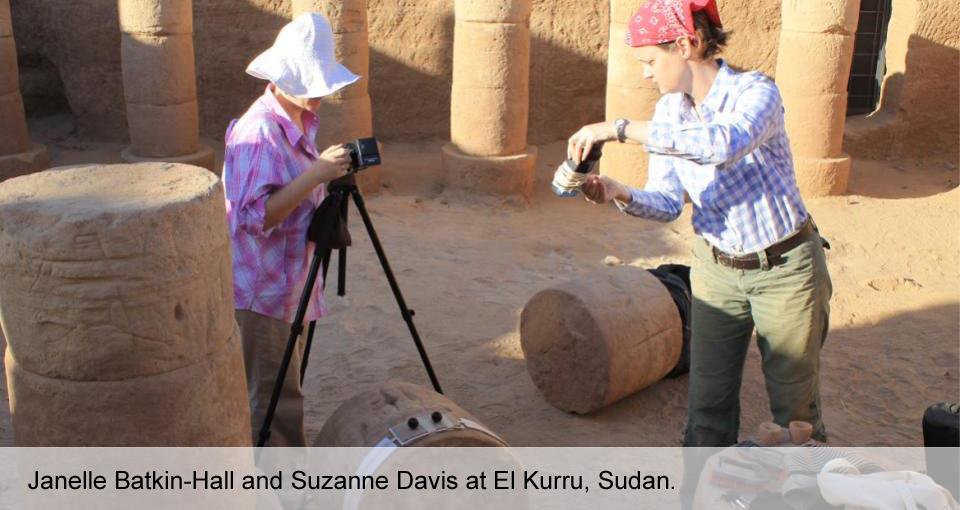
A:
(621, 125)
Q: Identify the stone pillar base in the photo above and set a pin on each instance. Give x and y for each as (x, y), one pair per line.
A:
(819, 177)
(497, 175)
(33, 160)
(203, 158)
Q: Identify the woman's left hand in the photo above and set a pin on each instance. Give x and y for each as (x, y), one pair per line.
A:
(583, 140)
(600, 189)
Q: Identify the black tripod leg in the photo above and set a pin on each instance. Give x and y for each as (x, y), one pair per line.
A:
(295, 330)
(325, 261)
(342, 252)
(406, 312)
(306, 351)
(326, 265)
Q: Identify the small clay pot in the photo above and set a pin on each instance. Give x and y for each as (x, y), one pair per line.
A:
(800, 432)
(770, 434)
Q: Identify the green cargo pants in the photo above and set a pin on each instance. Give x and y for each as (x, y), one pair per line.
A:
(788, 304)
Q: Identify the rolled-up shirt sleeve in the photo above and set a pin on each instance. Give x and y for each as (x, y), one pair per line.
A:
(662, 197)
(729, 137)
(252, 171)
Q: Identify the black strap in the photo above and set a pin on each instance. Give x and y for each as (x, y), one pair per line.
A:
(327, 228)
(676, 278)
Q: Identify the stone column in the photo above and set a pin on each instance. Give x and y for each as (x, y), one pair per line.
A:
(488, 149)
(347, 115)
(117, 306)
(629, 95)
(367, 418)
(159, 82)
(597, 339)
(18, 156)
(813, 66)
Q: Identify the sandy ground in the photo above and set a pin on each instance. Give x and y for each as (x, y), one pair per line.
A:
(467, 265)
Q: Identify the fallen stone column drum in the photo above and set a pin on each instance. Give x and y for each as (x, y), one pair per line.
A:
(18, 156)
(403, 414)
(813, 66)
(489, 103)
(629, 95)
(600, 338)
(159, 82)
(414, 415)
(116, 300)
(347, 114)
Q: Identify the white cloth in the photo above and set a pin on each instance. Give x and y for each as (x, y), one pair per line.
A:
(302, 61)
(841, 484)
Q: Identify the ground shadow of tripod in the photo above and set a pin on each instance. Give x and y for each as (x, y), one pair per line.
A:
(328, 230)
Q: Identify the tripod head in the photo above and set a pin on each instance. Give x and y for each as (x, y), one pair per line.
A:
(328, 226)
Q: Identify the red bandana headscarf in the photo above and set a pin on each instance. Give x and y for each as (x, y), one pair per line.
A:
(663, 21)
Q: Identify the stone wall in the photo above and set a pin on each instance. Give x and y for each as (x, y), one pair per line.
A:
(410, 50)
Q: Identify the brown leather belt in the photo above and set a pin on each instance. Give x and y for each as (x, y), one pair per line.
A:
(774, 253)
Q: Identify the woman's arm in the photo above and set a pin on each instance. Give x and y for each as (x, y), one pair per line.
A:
(332, 164)
(660, 200)
(728, 138)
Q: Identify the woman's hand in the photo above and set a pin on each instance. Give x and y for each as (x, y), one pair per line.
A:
(583, 140)
(601, 189)
(332, 164)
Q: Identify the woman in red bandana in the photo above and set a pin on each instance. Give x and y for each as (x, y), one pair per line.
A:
(718, 136)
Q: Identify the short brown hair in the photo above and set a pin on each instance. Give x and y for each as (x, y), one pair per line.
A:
(712, 37)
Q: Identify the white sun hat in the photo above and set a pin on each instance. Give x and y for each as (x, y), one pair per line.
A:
(301, 61)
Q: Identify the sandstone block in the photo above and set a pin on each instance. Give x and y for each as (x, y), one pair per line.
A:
(820, 16)
(160, 131)
(498, 175)
(6, 19)
(632, 103)
(595, 340)
(489, 122)
(814, 63)
(353, 52)
(9, 73)
(344, 16)
(815, 123)
(491, 55)
(114, 272)
(818, 177)
(14, 138)
(203, 404)
(493, 11)
(366, 419)
(156, 17)
(158, 70)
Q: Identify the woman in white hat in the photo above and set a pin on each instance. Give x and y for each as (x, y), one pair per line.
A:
(274, 177)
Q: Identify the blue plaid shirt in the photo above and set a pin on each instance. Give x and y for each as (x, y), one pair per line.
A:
(735, 164)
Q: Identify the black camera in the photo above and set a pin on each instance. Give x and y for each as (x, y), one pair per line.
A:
(570, 175)
(364, 152)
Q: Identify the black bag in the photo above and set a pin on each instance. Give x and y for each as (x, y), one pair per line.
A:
(941, 436)
(676, 278)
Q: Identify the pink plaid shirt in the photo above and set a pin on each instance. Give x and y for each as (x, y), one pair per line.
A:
(264, 151)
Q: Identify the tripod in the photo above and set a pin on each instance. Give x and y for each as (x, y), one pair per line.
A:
(328, 231)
